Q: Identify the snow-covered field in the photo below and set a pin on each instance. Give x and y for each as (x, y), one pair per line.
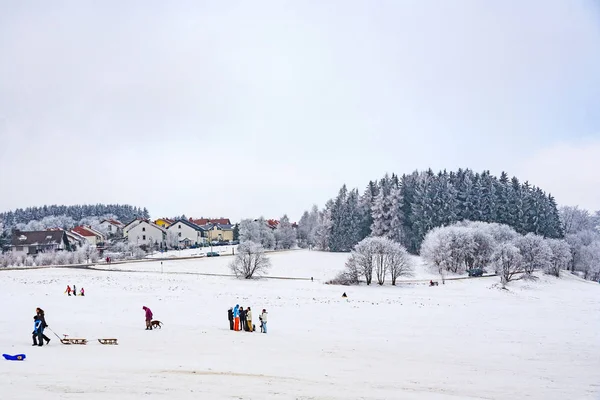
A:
(463, 340)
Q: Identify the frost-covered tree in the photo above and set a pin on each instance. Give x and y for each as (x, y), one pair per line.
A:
(382, 215)
(398, 220)
(590, 261)
(250, 261)
(507, 261)
(379, 257)
(257, 231)
(285, 234)
(535, 252)
(449, 248)
(575, 219)
(561, 256)
(399, 262)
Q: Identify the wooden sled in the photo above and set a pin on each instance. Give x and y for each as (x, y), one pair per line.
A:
(73, 341)
(108, 341)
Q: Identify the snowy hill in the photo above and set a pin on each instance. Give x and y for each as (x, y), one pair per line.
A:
(466, 339)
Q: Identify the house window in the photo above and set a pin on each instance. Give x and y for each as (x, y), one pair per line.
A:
(179, 234)
(144, 237)
(143, 229)
(180, 226)
(110, 228)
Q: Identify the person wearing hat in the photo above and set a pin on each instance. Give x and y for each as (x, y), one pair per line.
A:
(249, 319)
(236, 317)
(243, 326)
(230, 317)
(263, 321)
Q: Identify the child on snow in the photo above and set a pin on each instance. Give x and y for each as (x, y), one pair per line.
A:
(68, 291)
(37, 335)
(41, 316)
(82, 293)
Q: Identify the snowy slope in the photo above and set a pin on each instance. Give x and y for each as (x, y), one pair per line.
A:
(463, 340)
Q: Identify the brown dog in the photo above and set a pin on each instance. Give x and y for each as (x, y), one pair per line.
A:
(156, 324)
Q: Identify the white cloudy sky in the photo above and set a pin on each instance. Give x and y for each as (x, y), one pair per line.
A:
(243, 108)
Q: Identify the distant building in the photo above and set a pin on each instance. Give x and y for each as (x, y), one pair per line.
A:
(112, 227)
(146, 233)
(164, 222)
(194, 234)
(34, 242)
(206, 221)
(218, 232)
(92, 236)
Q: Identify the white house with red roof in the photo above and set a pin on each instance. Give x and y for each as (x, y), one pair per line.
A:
(112, 227)
(92, 236)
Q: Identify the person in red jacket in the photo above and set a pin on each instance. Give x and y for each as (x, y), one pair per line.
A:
(148, 318)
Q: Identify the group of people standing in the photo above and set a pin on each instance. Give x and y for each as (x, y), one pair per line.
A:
(39, 324)
(73, 291)
(240, 319)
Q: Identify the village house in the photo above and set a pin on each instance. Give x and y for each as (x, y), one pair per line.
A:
(207, 221)
(187, 233)
(92, 236)
(164, 222)
(145, 233)
(131, 225)
(34, 242)
(112, 227)
(218, 232)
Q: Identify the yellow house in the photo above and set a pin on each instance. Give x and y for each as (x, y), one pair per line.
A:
(219, 232)
(164, 222)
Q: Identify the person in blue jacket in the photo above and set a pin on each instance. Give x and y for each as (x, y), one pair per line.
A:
(236, 317)
(38, 335)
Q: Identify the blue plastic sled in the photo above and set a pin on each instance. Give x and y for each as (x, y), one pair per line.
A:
(17, 357)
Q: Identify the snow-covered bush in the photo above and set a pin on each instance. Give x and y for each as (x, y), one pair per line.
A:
(250, 261)
(535, 251)
(46, 259)
(561, 256)
(507, 261)
(379, 256)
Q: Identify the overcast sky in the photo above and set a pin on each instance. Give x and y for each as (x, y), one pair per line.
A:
(249, 108)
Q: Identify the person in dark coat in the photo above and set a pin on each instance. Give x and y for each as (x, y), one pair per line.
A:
(243, 318)
(148, 315)
(40, 313)
(37, 334)
(230, 316)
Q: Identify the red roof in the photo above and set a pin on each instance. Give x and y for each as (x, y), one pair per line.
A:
(206, 221)
(83, 231)
(272, 223)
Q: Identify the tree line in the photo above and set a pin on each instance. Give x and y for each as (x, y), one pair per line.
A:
(404, 209)
(123, 212)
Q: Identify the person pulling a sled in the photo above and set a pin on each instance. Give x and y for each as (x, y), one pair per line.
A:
(37, 335)
(74, 290)
(40, 314)
(68, 291)
(148, 318)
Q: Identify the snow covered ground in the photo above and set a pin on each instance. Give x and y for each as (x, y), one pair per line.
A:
(463, 340)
